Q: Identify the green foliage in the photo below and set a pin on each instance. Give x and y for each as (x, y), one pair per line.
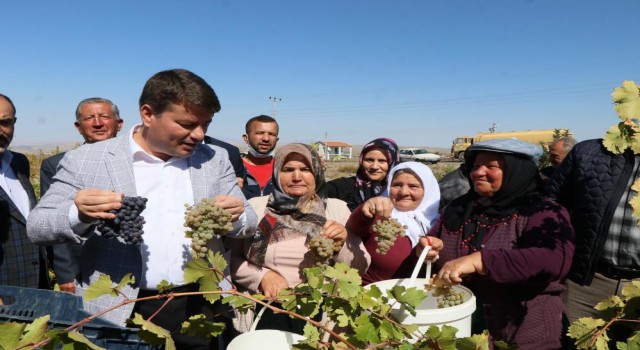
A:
(362, 316)
(618, 326)
(626, 134)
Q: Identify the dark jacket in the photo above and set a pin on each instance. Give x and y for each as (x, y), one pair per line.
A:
(344, 188)
(252, 189)
(234, 155)
(22, 263)
(590, 183)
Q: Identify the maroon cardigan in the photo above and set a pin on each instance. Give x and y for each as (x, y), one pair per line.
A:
(398, 262)
(527, 258)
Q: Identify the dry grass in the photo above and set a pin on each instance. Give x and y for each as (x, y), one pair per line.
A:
(348, 168)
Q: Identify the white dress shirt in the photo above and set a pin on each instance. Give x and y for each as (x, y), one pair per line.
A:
(12, 186)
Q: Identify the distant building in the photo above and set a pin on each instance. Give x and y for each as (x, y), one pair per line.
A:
(333, 150)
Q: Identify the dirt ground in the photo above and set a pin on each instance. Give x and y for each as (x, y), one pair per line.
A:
(345, 168)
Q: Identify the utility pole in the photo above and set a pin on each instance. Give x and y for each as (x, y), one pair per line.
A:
(326, 146)
(275, 101)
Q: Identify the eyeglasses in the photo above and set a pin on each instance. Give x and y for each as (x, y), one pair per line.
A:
(7, 122)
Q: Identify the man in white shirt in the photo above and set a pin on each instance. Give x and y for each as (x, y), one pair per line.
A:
(162, 159)
(22, 263)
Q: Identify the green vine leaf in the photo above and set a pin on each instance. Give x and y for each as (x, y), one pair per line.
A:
(164, 286)
(584, 330)
(409, 298)
(632, 343)
(627, 100)
(199, 326)
(34, 331)
(365, 330)
(474, 342)
(126, 279)
(152, 333)
(70, 341)
(10, 334)
(616, 140)
(631, 290)
(102, 286)
(612, 302)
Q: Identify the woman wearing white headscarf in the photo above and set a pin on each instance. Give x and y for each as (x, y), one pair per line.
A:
(412, 197)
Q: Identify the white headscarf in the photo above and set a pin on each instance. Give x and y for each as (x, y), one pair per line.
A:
(419, 220)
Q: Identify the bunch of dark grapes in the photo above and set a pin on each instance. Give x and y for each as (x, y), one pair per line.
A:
(448, 297)
(204, 220)
(322, 250)
(388, 230)
(127, 226)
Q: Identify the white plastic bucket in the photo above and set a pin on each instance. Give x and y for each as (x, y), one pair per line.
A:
(428, 314)
(265, 339)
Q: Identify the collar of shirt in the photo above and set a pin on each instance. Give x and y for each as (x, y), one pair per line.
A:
(139, 154)
(6, 159)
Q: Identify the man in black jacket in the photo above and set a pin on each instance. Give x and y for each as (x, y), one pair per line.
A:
(595, 185)
(22, 264)
(97, 119)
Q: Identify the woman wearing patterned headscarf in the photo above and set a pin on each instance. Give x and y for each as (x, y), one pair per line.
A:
(295, 212)
(511, 246)
(376, 158)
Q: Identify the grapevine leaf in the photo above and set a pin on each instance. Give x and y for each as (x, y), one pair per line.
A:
(409, 298)
(196, 269)
(209, 285)
(55, 337)
(164, 286)
(627, 100)
(386, 330)
(631, 290)
(611, 302)
(126, 279)
(77, 338)
(198, 325)
(314, 277)
(239, 302)
(633, 343)
(502, 345)
(311, 332)
(365, 330)
(34, 331)
(583, 330)
(10, 333)
(102, 286)
(152, 333)
(474, 342)
(614, 140)
(218, 262)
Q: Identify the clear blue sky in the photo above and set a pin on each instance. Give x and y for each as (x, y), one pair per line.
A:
(420, 72)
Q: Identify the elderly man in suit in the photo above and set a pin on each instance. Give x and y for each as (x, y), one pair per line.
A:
(164, 160)
(22, 263)
(97, 119)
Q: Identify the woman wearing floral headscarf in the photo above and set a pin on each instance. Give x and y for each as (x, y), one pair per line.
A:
(295, 212)
(376, 158)
(412, 197)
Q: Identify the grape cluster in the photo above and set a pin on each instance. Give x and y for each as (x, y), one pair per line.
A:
(449, 297)
(127, 226)
(388, 230)
(204, 220)
(322, 250)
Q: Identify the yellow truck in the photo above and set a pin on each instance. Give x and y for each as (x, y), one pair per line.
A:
(546, 136)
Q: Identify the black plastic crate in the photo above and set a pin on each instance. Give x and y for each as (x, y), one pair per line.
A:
(65, 309)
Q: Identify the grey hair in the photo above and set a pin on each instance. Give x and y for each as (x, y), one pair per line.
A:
(91, 100)
(569, 142)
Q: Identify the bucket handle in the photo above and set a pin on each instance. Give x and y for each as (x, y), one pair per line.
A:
(259, 316)
(416, 270)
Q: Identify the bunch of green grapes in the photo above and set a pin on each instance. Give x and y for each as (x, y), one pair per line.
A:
(322, 250)
(449, 297)
(388, 230)
(204, 220)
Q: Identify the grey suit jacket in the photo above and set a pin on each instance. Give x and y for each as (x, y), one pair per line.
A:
(108, 165)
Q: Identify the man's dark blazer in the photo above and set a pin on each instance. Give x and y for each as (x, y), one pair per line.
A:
(63, 257)
(22, 263)
(234, 155)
